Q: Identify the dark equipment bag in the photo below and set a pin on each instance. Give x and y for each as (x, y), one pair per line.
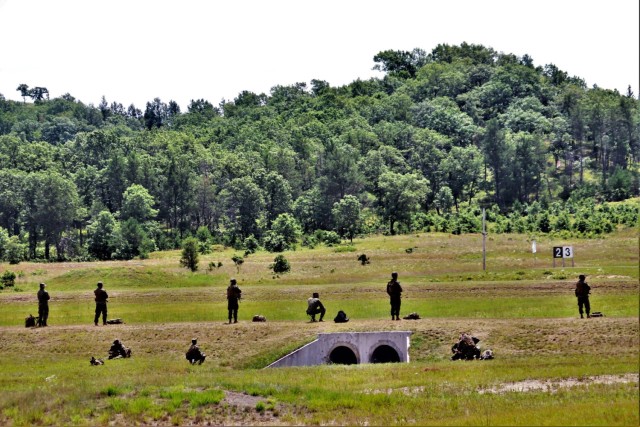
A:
(341, 317)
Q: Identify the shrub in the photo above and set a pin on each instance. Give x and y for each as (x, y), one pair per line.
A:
(280, 265)
(15, 250)
(310, 241)
(238, 261)
(189, 258)
(274, 242)
(331, 238)
(8, 278)
(251, 244)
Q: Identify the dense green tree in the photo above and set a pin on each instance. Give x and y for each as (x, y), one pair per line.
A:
(137, 203)
(11, 200)
(50, 207)
(496, 157)
(284, 234)
(401, 196)
(277, 195)
(243, 208)
(528, 167)
(24, 91)
(400, 63)
(347, 216)
(462, 170)
(102, 236)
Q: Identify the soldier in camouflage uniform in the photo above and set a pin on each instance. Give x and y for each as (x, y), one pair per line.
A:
(465, 348)
(101, 304)
(119, 350)
(394, 290)
(234, 294)
(582, 292)
(194, 355)
(43, 305)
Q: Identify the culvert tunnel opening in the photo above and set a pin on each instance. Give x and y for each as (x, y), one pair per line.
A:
(385, 354)
(342, 355)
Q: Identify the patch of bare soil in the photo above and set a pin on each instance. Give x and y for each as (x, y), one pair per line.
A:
(241, 409)
(552, 386)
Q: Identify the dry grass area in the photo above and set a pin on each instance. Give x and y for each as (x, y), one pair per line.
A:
(522, 308)
(238, 345)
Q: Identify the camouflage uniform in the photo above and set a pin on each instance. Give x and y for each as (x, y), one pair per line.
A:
(101, 304)
(314, 306)
(118, 350)
(582, 293)
(466, 348)
(233, 296)
(194, 355)
(43, 305)
(394, 290)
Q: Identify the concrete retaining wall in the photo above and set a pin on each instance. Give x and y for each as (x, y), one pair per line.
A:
(350, 348)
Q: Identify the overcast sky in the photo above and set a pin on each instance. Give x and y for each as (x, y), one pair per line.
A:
(132, 51)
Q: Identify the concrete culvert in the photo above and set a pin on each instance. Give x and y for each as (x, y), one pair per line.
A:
(343, 356)
(385, 354)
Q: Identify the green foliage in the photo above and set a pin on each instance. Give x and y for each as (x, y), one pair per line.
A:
(8, 278)
(204, 238)
(238, 261)
(15, 251)
(347, 216)
(137, 203)
(251, 244)
(438, 131)
(284, 234)
(189, 257)
(280, 265)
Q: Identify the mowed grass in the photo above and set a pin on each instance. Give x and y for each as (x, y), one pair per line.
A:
(522, 308)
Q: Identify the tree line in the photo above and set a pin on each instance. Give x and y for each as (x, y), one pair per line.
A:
(423, 148)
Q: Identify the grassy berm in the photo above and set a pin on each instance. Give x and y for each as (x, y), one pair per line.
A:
(550, 366)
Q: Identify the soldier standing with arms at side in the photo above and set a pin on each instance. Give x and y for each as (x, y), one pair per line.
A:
(233, 296)
(43, 305)
(101, 304)
(582, 292)
(394, 290)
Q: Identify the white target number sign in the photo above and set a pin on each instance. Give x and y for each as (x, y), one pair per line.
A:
(563, 252)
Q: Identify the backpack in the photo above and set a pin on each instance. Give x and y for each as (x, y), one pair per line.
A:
(30, 322)
(341, 317)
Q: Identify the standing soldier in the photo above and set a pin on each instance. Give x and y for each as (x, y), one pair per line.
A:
(101, 304)
(233, 296)
(43, 305)
(394, 290)
(582, 292)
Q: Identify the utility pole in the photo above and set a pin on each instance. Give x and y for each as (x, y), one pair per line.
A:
(484, 242)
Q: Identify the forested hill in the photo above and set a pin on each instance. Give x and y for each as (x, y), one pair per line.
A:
(423, 148)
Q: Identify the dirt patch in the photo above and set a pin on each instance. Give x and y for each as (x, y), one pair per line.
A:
(552, 386)
(242, 399)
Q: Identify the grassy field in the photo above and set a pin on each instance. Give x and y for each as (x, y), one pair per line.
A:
(521, 307)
